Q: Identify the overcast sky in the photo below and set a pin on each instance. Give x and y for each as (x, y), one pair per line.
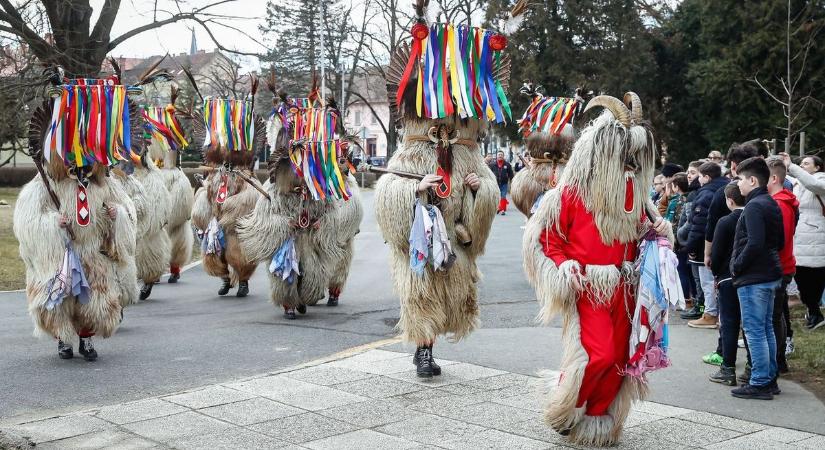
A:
(175, 38)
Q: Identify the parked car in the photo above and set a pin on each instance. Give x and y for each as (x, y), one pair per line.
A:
(380, 161)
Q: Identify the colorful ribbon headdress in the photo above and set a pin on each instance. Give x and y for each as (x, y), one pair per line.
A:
(547, 115)
(163, 127)
(453, 69)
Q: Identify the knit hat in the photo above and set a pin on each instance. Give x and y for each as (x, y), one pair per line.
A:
(670, 169)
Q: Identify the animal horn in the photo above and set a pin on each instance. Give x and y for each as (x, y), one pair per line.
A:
(614, 105)
(632, 100)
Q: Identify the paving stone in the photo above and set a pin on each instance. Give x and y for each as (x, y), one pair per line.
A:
(749, 442)
(782, 434)
(326, 375)
(816, 441)
(495, 439)
(378, 387)
(362, 439)
(60, 427)
(725, 422)
(303, 428)
(631, 440)
(531, 402)
(371, 413)
(444, 404)
(429, 429)
(419, 396)
(490, 415)
(535, 428)
(379, 367)
(139, 410)
(452, 374)
(379, 355)
(251, 411)
(502, 381)
(685, 433)
(100, 440)
(229, 439)
(660, 409)
(297, 393)
(211, 396)
(168, 428)
(459, 389)
(636, 418)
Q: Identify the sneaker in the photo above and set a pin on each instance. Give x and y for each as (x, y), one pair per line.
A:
(146, 290)
(789, 347)
(289, 313)
(693, 313)
(87, 349)
(745, 378)
(64, 350)
(173, 278)
(740, 343)
(714, 359)
(753, 392)
(302, 309)
(706, 321)
(815, 322)
(725, 375)
(224, 287)
(774, 387)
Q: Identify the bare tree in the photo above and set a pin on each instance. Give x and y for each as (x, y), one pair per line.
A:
(80, 46)
(18, 93)
(224, 79)
(793, 101)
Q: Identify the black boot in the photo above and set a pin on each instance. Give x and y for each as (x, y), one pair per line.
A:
(745, 378)
(725, 375)
(146, 290)
(64, 350)
(243, 289)
(87, 349)
(436, 367)
(332, 300)
(301, 309)
(173, 278)
(224, 287)
(289, 313)
(424, 366)
(774, 387)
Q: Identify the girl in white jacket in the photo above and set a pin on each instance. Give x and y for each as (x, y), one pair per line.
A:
(809, 240)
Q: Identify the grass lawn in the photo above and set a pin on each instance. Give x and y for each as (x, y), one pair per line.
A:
(807, 363)
(12, 271)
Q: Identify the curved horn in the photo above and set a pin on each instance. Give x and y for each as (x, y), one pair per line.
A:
(614, 105)
(632, 100)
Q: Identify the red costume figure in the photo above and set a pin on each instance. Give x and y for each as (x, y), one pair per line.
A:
(579, 250)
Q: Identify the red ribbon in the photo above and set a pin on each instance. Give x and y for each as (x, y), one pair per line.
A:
(415, 54)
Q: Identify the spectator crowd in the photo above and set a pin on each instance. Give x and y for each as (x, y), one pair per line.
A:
(749, 228)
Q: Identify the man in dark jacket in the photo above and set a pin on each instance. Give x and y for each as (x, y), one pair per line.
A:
(504, 173)
(730, 318)
(710, 176)
(757, 273)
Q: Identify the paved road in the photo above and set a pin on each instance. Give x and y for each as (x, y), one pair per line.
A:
(186, 336)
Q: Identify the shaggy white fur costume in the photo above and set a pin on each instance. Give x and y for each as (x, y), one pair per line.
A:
(153, 245)
(438, 302)
(181, 197)
(324, 251)
(42, 244)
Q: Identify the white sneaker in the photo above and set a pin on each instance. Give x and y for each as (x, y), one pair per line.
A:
(740, 343)
(789, 347)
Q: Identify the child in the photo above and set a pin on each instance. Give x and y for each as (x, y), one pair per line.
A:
(728, 300)
(757, 274)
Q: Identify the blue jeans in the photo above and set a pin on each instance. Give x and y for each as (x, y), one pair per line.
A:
(756, 303)
(502, 189)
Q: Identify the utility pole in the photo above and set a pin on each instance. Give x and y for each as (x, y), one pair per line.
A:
(342, 103)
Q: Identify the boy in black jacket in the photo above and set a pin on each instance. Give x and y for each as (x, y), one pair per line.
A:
(757, 274)
(730, 318)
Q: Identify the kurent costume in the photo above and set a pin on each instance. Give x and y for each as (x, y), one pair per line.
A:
(153, 243)
(167, 142)
(447, 86)
(75, 224)
(579, 252)
(548, 130)
(232, 135)
(305, 230)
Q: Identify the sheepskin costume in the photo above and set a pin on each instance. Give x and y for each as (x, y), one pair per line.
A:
(226, 194)
(442, 300)
(321, 231)
(105, 247)
(585, 233)
(153, 245)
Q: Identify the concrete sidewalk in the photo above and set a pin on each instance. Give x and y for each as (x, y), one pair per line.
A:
(373, 400)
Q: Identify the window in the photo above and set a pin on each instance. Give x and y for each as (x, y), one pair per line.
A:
(373, 119)
(371, 146)
(357, 117)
